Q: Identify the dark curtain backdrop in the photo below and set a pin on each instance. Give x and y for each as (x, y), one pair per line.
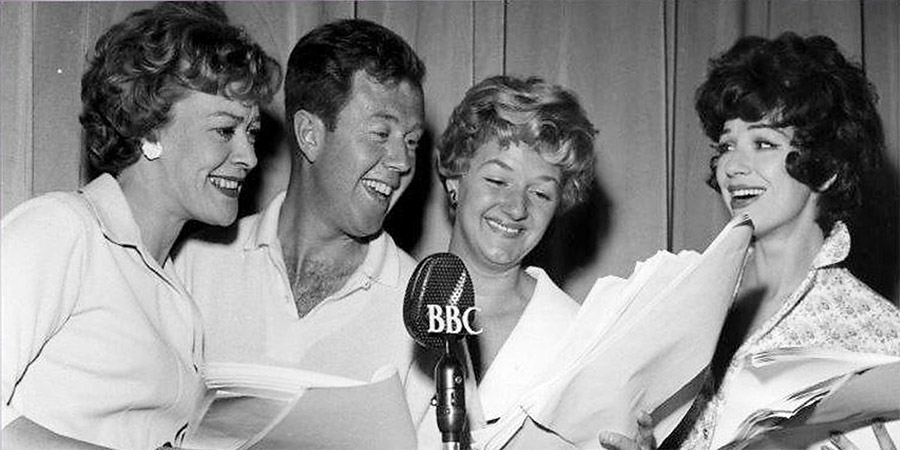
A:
(634, 64)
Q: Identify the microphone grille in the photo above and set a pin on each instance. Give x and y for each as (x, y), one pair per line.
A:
(440, 279)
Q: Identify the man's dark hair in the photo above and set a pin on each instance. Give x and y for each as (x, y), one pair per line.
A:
(322, 65)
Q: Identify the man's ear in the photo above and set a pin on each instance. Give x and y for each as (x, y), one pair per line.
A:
(451, 185)
(309, 133)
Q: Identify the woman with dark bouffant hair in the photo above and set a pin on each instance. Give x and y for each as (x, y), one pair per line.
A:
(101, 342)
(795, 131)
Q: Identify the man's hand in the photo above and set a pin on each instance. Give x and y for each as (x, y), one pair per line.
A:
(643, 441)
(840, 442)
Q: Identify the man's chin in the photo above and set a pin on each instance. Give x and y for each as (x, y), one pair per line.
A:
(369, 230)
(365, 238)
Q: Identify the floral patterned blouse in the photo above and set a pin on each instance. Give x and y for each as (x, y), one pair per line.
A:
(831, 309)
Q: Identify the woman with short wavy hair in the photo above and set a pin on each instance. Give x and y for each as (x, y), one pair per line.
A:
(101, 342)
(515, 154)
(545, 117)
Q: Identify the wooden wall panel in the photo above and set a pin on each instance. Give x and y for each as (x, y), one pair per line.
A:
(16, 36)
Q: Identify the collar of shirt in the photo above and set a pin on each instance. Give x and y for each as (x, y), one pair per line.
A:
(108, 203)
(381, 264)
(834, 250)
(526, 356)
(836, 247)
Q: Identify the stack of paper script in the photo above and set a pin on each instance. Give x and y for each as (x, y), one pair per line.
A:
(266, 407)
(795, 397)
(635, 343)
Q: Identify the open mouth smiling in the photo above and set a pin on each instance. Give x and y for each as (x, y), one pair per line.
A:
(741, 197)
(230, 186)
(378, 188)
(504, 229)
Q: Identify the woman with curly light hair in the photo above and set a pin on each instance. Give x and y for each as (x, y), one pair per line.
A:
(101, 342)
(515, 154)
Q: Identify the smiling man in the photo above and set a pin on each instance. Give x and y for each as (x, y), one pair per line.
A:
(312, 282)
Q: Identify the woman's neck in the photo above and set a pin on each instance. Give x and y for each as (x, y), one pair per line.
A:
(779, 263)
(499, 290)
(502, 297)
(495, 290)
(159, 227)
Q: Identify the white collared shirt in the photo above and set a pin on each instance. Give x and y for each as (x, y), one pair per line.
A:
(99, 342)
(240, 283)
(532, 345)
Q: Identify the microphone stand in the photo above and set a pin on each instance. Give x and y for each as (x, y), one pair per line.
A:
(451, 398)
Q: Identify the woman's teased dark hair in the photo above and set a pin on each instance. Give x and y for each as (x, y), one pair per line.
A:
(141, 66)
(805, 83)
(545, 117)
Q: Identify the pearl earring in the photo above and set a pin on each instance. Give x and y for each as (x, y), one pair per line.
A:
(151, 150)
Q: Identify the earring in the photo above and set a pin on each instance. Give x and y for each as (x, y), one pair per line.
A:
(452, 195)
(151, 150)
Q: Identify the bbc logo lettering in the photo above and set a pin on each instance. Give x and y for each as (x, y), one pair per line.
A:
(450, 320)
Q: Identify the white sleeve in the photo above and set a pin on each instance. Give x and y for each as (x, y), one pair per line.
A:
(43, 247)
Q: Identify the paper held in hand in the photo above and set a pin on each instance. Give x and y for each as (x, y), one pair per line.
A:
(796, 397)
(265, 407)
(635, 343)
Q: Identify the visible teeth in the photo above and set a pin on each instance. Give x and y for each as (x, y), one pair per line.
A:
(504, 228)
(223, 183)
(747, 192)
(377, 186)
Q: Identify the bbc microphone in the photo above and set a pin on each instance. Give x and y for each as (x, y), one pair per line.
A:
(438, 311)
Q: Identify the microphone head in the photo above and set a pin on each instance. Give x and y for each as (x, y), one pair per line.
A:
(440, 280)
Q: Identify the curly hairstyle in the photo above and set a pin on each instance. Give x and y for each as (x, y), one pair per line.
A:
(545, 117)
(805, 83)
(141, 66)
(320, 70)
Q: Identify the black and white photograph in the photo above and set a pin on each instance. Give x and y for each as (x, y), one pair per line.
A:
(450, 224)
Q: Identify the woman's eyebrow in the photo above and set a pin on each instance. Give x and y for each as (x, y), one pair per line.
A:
(497, 162)
(768, 127)
(226, 114)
